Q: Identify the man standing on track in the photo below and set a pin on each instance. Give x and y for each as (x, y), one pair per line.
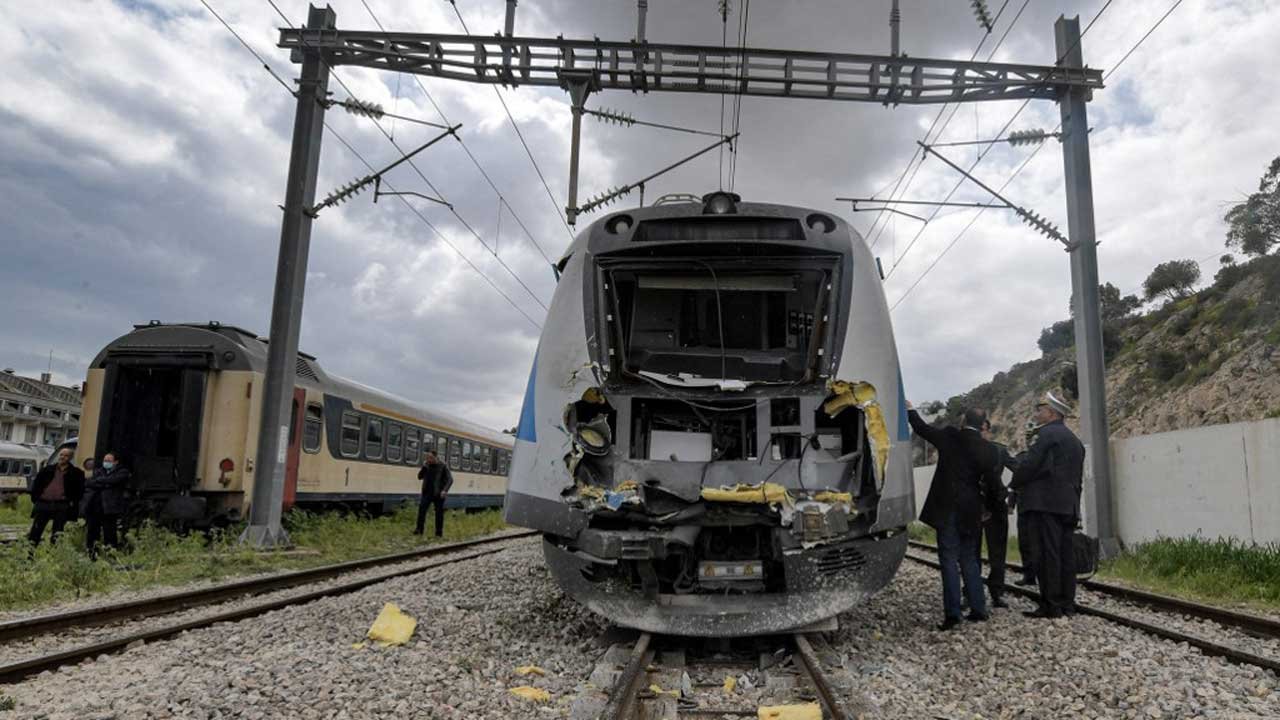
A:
(995, 527)
(967, 467)
(1048, 481)
(436, 481)
(55, 495)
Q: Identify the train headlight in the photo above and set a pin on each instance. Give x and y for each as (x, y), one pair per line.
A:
(720, 203)
(595, 437)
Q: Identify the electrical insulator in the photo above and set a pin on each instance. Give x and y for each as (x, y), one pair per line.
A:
(723, 9)
(345, 192)
(613, 116)
(981, 12)
(1027, 137)
(360, 107)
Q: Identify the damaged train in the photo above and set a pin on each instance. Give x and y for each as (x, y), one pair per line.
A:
(714, 438)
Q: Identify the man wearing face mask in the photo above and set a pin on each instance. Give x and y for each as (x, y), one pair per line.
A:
(105, 500)
(54, 495)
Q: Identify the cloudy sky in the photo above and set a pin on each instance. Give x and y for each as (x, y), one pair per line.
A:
(143, 153)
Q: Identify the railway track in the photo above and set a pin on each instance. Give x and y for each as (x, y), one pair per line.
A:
(656, 681)
(32, 627)
(1249, 624)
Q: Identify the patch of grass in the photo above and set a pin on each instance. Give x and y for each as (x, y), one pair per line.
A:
(920, 532)
(1273, 413)
(16, 511)
(1221, 570)
(154, 556)
(7, 703)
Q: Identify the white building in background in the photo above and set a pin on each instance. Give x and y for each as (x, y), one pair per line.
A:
(37, 412)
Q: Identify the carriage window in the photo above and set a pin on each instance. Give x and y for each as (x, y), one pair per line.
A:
(502, 463)
(428, 443)
(484, 460)
(455, 455)
(373, 440)
(466, 455)
(493, 460)
(442, 449)
(28, 468)
(4, 466)
(311, 430)
(395, 439)
(350, 434)
(411, 446)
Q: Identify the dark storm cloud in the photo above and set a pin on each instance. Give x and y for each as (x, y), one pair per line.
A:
(144, 184)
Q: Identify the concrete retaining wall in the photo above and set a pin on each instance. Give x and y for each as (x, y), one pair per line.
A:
(1217, 481)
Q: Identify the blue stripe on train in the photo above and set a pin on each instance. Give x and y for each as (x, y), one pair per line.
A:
(526, 429)
(904, 428)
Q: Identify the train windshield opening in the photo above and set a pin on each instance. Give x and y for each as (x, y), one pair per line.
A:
(706, 323)
(153, 420)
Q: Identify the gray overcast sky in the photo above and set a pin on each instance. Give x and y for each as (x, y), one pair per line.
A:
(143, 153)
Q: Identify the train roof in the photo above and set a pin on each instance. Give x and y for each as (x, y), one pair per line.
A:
(777, 226)
(18, 450)
(227, 347)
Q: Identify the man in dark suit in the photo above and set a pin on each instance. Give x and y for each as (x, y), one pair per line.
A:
(995, 524)
(55, 495)
(966, 469)
(436, 481)
(1048, 481)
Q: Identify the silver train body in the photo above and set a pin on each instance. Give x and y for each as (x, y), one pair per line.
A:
(714, 438)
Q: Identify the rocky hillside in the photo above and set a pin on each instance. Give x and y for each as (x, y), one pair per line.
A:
(1208, 358)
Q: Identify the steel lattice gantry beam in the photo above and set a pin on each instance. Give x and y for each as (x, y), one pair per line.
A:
(648, 67)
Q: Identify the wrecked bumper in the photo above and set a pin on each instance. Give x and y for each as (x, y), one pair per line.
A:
(821, 582)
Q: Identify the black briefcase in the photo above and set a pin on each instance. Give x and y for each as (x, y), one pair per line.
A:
(1084, 550)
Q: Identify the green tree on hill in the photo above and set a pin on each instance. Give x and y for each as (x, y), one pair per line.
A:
(1254, 225)
(1173, 279)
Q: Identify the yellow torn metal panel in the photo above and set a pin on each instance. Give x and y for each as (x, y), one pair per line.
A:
(766, 494)
(806, 711)
(392, 627)
(531, 693)
(832, 497)
(530, 670)
(730, 682)
(862, 396)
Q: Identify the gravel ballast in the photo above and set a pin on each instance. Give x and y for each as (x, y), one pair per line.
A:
(479, 620)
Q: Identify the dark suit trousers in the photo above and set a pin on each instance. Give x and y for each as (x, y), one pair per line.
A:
(996, 531)
(423, 502)
(1026, 546)
(100, 525)
(1055, 566)
(58, 515)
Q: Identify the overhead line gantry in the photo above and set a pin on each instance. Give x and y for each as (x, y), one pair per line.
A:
(582, 67)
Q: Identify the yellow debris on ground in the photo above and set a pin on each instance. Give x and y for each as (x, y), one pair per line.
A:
(357, 646)
(530, 670)
(627, 485)
(830, 496)
(590, 491)
(730, 682)
(392, 627)
(769, 494)
(656, 689)
(531, 693)
(807, 711)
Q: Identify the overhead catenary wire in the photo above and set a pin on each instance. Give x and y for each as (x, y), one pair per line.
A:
(986, 150)
(515, 126)
(368, 165)
(453, 210)
(954, 109)
(744, 25)
(1032, 155)
(474, 160)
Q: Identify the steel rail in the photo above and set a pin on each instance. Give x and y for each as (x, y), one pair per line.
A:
(1208, 647)
(813, 668)
(622, 699)
(174, 602)
(14, 672)
(1251, 624)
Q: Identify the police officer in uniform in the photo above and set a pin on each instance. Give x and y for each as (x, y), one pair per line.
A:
(1048, 482)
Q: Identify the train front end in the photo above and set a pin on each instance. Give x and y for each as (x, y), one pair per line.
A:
(714, 438)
